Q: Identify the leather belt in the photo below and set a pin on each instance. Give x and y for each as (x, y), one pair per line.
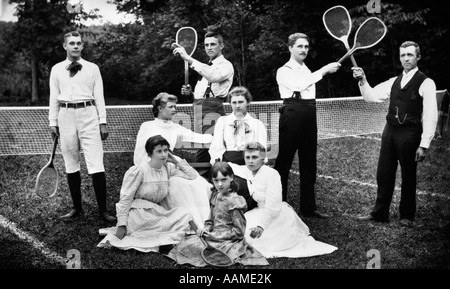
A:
(77, 104)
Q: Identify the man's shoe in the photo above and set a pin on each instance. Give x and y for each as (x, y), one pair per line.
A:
(317, 214)
(105, 216)
(406, 222)
(365, 218)
(371, 218)
(74, 213)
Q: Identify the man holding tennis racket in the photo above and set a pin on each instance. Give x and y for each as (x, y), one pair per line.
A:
(77, 115)
(211, 91)
(410, 127)
(298, 123)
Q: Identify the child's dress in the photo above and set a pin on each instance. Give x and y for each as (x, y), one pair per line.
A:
(227, 224)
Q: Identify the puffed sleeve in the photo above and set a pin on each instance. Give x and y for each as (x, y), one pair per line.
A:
(217, 147)
(140, 154)
(130, 184)
(182, 169)
(237, 203)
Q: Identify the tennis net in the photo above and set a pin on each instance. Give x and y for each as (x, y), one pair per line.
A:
(24, 130)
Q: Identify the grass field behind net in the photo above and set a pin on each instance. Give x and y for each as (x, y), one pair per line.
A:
(345, 188)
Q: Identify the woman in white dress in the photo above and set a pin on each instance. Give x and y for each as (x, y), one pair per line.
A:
(192, 195)
(273, 228)
(142, 223)
(232, 132)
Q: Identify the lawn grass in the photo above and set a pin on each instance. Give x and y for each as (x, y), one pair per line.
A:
(340, 161)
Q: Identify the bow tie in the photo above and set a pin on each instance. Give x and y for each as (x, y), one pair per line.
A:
(237, 124)
(74, 67)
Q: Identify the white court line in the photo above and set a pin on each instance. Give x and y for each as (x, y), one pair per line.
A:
(374, 185)
(30, 239)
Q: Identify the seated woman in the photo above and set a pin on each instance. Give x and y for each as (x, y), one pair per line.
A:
(142, 223)
(225, 228)
(273, 228)
(192, 195)
(233, 131)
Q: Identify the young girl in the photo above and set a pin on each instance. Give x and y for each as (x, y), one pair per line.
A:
(225, 229)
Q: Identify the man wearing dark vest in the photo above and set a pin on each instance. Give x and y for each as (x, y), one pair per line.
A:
(410, 126)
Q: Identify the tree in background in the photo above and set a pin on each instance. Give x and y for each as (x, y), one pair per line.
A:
(37, 35)
(137, 63)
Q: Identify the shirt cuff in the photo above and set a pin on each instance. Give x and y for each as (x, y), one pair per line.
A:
(53, 122)
(195, 64)
(424, 144)
(103, 120)
(122, 220)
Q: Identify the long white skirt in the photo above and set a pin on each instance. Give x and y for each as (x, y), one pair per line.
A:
(192, 195)
(149, 226)
(286, 236)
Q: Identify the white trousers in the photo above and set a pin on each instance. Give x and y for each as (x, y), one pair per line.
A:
(80, 127)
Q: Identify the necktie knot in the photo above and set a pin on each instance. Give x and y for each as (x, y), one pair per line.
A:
(74, 67)
(238, 123)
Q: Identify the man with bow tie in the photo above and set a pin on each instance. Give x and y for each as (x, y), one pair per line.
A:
(77, 115)
(212, 89)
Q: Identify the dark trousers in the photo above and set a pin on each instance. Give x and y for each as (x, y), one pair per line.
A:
(298, 133)
(237, 157)
(206, 113)
(398, 145)
(99, 183)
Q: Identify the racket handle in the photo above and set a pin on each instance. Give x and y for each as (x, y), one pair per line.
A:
(344, 57)
(353, 61)
(186, 73)
(55, 145)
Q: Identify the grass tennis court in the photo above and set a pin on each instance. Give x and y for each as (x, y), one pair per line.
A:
(345, 187)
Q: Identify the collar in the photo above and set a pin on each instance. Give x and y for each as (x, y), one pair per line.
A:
(246, 117)
(163, 122)
(294, 64)
(218, 59)
(411, 72)
(67, 61)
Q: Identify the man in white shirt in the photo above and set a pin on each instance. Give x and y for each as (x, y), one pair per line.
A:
(77, 115)
(410, 127)
(298, 123)
(211, 91)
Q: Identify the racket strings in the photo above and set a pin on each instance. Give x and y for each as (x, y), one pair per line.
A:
(215, 257)
(337, 22)
(47, 182)
(188, 39)
(370, 33)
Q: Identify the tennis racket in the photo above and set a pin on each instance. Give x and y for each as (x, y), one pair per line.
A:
(213, 256)
(338, 23)
(187, 37)
(48, 178)
(368, 34)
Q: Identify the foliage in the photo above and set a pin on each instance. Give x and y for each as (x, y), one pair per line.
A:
(136, 60)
